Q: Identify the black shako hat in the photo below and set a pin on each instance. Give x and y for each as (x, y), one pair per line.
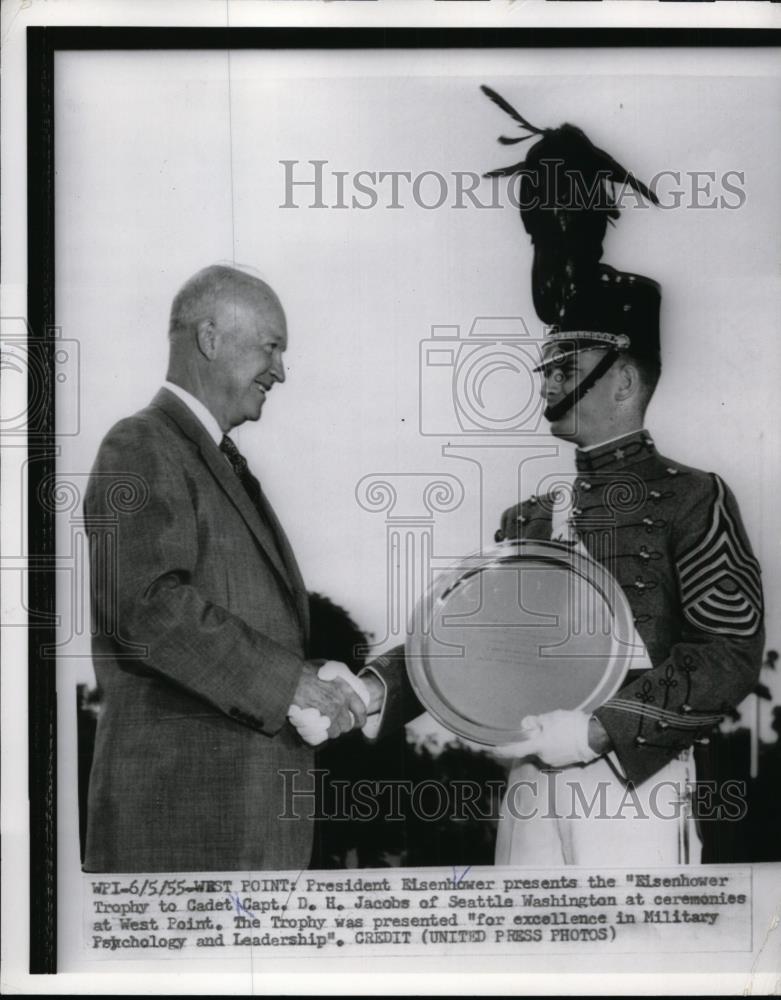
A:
(567, 196)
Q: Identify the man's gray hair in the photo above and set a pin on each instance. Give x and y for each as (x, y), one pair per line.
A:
(198, 297)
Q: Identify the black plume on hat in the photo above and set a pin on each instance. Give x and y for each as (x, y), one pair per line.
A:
(566, 196)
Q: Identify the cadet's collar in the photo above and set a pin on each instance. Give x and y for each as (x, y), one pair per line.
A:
(616, 454)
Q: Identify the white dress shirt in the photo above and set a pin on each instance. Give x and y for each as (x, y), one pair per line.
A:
(198, 410)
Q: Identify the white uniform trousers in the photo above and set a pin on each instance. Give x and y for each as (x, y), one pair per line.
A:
(586, 815)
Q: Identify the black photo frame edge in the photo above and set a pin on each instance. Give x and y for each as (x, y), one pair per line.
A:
(42, 44)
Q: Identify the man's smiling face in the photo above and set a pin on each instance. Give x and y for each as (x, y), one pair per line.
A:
(252, 337)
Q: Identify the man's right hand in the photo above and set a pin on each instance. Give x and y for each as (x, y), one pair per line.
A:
(334, 699)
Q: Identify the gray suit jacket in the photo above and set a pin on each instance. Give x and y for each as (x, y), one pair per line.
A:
(200, 624)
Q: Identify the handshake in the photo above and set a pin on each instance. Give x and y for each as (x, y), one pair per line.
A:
(331, 700)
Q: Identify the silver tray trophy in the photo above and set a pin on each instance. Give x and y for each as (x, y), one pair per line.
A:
(524, 628)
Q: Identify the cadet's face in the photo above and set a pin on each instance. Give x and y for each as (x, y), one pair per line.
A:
(580, 421)
(252, 340)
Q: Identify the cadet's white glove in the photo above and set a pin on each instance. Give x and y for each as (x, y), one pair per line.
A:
(311, 725)
(557, 738)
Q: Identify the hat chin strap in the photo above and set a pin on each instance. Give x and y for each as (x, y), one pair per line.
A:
(558, 410)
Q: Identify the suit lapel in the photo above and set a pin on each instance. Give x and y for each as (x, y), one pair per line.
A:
(281, 554)
(288, 556)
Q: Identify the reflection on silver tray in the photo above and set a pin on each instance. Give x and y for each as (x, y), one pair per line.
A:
(521, 629)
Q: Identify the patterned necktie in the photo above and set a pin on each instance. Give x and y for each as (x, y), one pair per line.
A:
(268, 517)
(239, 465)
(252, 488)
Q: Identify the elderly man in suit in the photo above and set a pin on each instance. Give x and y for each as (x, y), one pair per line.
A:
(201, 618)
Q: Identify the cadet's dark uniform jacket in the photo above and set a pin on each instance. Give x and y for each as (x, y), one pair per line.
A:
(673, 538)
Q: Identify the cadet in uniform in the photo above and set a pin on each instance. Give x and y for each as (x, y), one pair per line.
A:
(671, 536)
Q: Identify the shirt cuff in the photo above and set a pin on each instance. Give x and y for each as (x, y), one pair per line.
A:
(373, 723)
